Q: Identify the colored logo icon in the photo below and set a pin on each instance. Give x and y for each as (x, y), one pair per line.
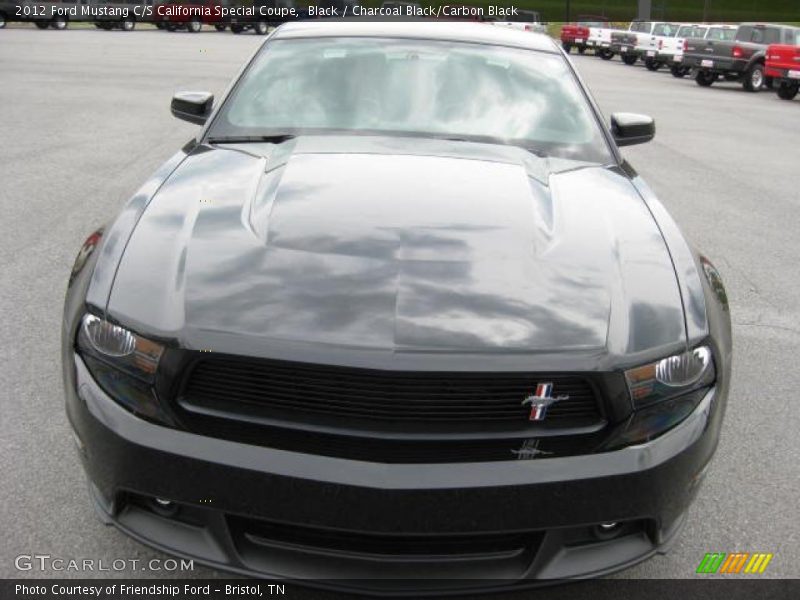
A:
(735, 563)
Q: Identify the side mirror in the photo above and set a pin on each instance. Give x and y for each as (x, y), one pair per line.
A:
(194, 107)
(629, 128)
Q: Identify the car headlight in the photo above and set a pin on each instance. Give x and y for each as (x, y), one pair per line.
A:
(671, 376)
(123, 363)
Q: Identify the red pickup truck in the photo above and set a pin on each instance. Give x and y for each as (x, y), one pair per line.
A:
(783, 65)
(577, 34)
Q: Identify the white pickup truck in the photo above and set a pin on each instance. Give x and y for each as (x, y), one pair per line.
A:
(641, 41)
(600, 39)
(717, 31)
(669, 47)
(525, 20)
(663, 33)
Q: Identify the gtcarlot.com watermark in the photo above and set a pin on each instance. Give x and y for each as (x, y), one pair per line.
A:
(47, 562)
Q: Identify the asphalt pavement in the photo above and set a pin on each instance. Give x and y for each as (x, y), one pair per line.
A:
(84, 119)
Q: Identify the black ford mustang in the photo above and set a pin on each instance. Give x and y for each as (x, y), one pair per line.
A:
(400, 311)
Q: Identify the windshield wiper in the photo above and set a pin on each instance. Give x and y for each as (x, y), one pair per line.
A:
(248, 139)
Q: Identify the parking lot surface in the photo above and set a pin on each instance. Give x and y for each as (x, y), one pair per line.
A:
(85, 118)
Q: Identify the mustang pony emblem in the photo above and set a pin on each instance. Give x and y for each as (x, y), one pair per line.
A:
(541, 400)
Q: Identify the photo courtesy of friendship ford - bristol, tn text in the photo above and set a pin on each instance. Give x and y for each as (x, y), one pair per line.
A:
(427, 304)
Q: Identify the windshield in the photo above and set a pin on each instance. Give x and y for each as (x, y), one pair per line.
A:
(422, 88)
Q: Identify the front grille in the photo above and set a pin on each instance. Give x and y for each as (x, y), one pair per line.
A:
(387, 416)
(290, 390)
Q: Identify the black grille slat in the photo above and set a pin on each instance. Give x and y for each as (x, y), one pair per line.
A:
(306, 389)
(376, 402)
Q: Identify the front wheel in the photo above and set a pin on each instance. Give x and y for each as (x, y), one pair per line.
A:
(787, 90)
(705, 78)
(128, 24)
(42, 24)
(606, 54)
(194, 26)
(59, 23)
(261, 28)
(629, 59)
(236, 28)
(219, 27)
(754, 78)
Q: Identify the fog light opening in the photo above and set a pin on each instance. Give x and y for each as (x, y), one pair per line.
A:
(164, 507)
(607, 531)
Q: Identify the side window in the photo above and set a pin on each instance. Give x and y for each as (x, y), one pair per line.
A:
(772, 35)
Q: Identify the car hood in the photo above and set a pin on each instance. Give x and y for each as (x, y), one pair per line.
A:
(318, 247)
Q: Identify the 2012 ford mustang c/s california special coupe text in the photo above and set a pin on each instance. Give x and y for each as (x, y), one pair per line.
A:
(400, 313)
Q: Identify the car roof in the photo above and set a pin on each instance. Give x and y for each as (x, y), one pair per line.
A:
(468, 31)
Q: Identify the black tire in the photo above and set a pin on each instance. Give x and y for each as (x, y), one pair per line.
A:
(566, 46)
(678, 71)
(219, 27)
(705, 78)
(127, 24)
(194, 26)
(769, 82)
(787, 90)
(606, 54)
(237, 28)
(629, 59)
(2, 20)
(581, 49)
(261, 27)
(59, 23)
(754, 78)
(652, 64)
(42, 24)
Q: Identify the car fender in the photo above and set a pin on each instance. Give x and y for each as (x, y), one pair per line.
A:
(758, 57)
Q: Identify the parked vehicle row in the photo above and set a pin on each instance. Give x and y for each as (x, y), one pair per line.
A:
(741, 59)
(755, 54)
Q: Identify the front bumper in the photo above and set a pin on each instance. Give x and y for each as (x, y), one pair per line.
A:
(231, 493)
